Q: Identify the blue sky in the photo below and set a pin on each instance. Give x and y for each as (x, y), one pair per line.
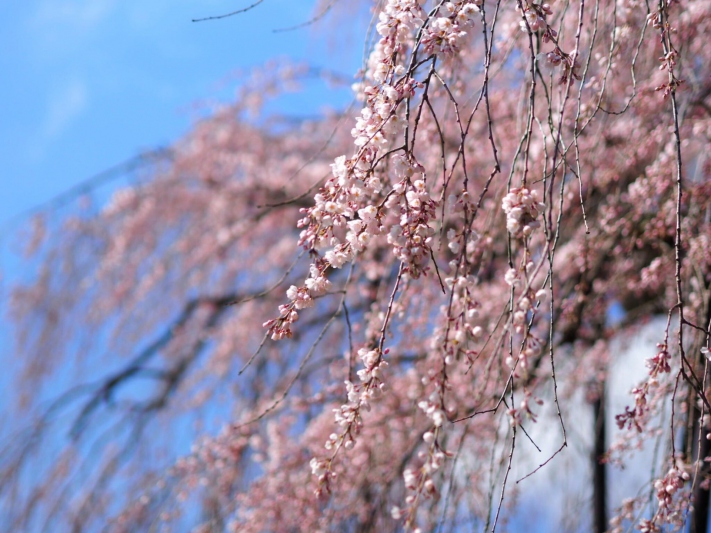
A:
(89, 83)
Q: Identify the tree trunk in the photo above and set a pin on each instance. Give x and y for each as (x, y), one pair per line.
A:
(699, 450)
(599, 467)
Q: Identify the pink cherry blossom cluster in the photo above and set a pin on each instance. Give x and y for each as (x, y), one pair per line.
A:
(336, 203)
(447, 33)
(379, 119)
(419, 481)
(300, 298)
(659, 364)
(348, 415)
(464, 324)
(673, 502)
(534, 15)
(518, 415)
(522, 363)
(522, 207)
(411, 238)
(534, 18)
(398, 19)
(638, 417)
(521, 279)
